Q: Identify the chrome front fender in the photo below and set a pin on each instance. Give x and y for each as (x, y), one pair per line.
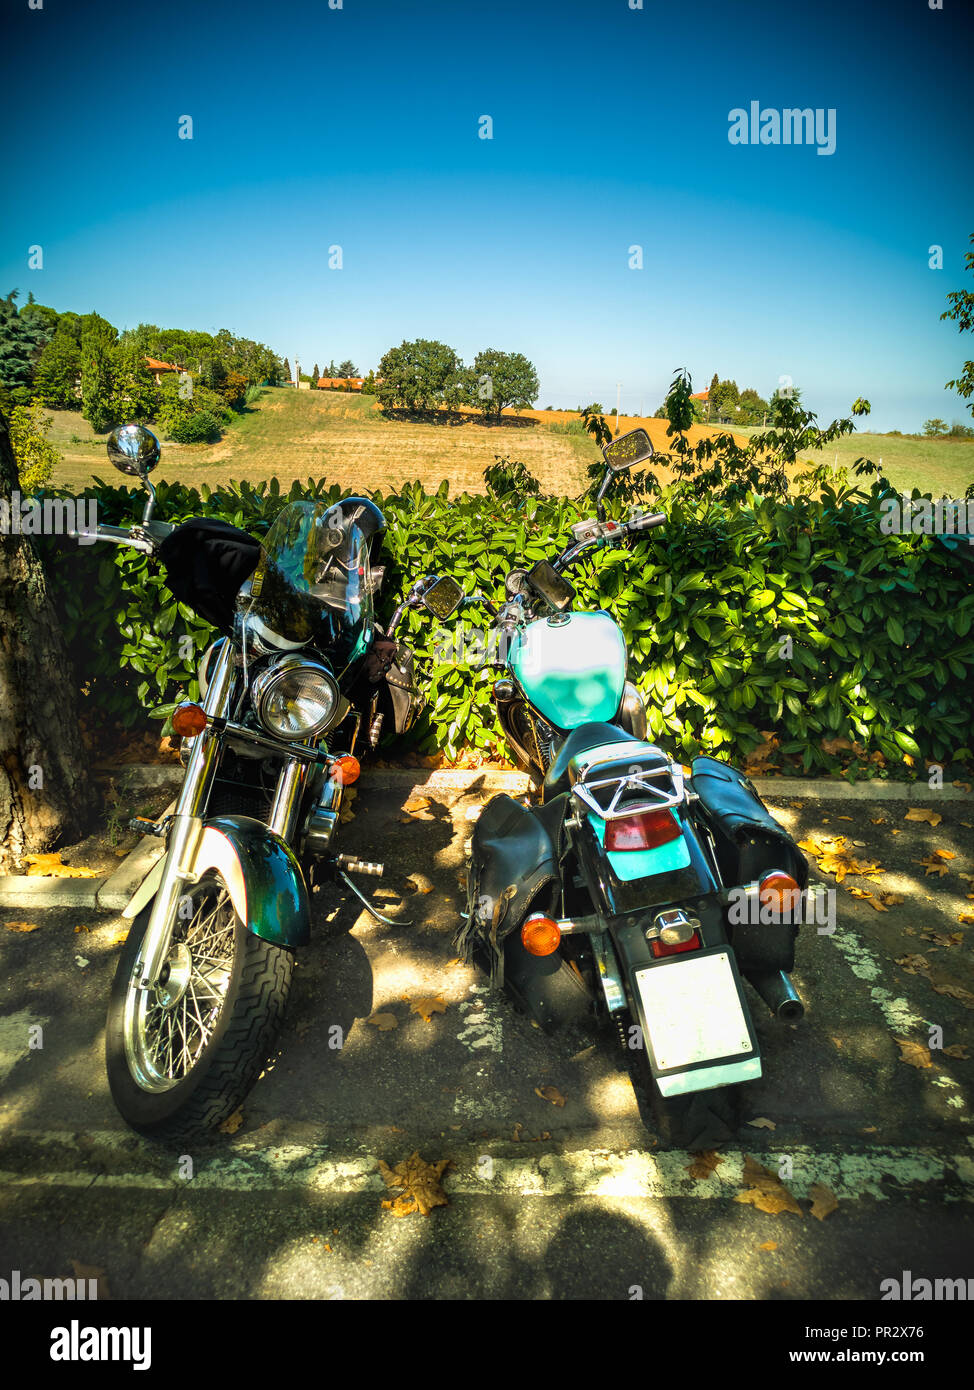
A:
(262, 875)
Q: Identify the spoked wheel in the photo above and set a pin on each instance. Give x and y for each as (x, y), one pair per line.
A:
(182, 1056)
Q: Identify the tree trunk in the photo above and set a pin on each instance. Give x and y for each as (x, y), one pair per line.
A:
(44, 791)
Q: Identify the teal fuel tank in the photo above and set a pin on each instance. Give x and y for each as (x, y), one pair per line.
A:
(571, 667)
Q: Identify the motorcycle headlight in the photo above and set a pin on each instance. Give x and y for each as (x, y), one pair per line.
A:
(296, 698)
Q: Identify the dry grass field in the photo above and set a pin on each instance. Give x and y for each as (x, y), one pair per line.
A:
(346, 439)
(297, 435)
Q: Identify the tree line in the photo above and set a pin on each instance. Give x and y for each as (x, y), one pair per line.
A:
(425, 375)
(727, 405)
(51, 358)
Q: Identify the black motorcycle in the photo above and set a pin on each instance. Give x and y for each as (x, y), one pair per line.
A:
(298, 683)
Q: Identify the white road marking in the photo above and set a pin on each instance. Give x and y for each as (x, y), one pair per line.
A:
(483, 1028)
(585, 1172)
(897, 1012)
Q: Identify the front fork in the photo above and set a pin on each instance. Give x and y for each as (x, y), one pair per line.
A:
(186, 825)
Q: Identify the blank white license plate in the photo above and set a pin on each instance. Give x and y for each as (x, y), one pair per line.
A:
(693, 1011)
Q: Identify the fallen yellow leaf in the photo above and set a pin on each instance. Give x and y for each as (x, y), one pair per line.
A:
(551, 1093)
(50, 866)
(766, 1191)
(913, 1053)
(923, 813)
(233, 1123)
(21, 926)
(385, 1022)
(419, 883)
(824, 1201)
(704, 1164)
(419, 1184)
(958, 992)
(427, 1007)
(911, 964)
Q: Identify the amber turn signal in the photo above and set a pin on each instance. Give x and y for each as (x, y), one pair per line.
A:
(779, 892)
(345, 770)
(540, 935)
(188, 720)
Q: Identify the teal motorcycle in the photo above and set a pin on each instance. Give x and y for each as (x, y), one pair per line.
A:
(626, 889)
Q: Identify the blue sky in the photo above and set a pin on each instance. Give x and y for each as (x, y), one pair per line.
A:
(358, 127)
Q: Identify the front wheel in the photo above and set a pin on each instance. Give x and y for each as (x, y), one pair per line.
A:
(182, 1056)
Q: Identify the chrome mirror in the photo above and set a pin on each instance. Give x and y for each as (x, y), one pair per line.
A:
(133, 449)
(443, 597)
(628, 449)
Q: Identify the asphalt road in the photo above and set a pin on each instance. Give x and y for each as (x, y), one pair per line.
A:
(545, 1201)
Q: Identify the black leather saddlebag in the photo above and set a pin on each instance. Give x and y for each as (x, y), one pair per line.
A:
(749, 842)
(514, 868)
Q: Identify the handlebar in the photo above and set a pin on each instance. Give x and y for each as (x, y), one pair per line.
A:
(605, 533)
(646, 523)
(145, 538)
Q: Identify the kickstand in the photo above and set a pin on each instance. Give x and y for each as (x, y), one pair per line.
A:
(389, 921)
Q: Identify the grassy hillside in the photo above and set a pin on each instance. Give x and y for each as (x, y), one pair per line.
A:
(345, 438)
(302, 434)
(944, 467)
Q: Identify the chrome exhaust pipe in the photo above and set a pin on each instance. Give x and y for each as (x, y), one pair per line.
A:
(777, 991)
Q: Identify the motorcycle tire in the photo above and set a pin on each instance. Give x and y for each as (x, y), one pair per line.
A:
(220, 1008)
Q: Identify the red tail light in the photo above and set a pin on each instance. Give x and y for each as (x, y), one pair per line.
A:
(659, 948)
(646, 830)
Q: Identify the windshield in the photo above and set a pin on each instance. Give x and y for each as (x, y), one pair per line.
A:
(312, 581)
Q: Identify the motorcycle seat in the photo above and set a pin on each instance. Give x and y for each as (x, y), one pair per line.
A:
(586, 738)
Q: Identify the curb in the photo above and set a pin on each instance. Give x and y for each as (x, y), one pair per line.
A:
(110, 894)
(500, 779)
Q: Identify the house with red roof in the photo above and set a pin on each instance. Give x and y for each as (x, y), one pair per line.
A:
(340, 383)
(158, 369)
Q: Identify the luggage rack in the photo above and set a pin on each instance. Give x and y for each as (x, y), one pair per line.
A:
(604, 794)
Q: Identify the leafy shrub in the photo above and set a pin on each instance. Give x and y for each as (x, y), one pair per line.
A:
(36, 456)
(199, 428)
(181, 401)
(508, 478)
(796, 614)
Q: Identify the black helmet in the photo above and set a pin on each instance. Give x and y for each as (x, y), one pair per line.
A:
(365, 514)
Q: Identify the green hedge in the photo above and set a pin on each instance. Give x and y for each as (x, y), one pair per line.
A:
(880, 627)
